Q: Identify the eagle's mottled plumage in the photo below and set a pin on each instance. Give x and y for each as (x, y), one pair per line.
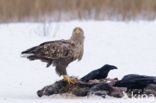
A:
(60, 52)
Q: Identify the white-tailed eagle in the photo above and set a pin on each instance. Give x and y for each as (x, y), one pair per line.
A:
(60, 53)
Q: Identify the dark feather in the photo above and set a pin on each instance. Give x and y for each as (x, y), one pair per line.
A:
(46, 43)
(100, 73)
(135, 81)
(29, 51)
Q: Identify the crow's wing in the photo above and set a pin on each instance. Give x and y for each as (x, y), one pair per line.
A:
(90, 76)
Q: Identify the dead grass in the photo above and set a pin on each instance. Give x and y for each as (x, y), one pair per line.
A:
(57, 10)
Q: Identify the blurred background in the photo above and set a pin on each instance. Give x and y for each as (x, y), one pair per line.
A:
(65, 10)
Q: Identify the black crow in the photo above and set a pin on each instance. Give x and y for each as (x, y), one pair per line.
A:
(100, 73)
(135, 81)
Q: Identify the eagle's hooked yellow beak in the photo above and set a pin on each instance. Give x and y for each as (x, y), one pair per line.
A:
(77, 31)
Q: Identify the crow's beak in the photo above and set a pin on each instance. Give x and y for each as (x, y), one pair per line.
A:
(115, 67)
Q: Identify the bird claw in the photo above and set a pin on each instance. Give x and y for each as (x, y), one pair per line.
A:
(68, 79)
(71, 81)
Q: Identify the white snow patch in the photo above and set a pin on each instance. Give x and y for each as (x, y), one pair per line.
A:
(130, 46)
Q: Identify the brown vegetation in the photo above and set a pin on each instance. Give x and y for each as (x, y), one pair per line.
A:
(56, 10)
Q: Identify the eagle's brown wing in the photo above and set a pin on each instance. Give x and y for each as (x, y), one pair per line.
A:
(49, 51)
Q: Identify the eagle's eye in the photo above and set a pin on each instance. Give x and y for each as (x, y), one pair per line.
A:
(77, 31)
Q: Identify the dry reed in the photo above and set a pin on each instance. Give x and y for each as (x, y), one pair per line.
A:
(58, 10)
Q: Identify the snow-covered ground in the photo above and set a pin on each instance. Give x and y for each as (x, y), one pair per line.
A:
(130, 46)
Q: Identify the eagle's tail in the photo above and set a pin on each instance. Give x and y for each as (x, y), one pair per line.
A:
(29, 51)
(31, 55)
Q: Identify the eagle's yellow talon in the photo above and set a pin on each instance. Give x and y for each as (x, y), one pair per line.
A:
(68, 79)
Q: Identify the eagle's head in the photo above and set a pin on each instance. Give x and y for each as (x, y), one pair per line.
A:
(78, 31)
(78, 35)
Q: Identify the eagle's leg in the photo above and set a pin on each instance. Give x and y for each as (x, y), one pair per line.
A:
(68, 79)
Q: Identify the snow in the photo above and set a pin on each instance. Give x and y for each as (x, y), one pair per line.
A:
(128, 45)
